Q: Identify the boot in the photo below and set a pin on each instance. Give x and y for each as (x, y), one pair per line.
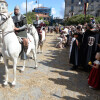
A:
(23, 53)
(25, 48)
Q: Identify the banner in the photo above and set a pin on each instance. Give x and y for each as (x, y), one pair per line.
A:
(86, 5)
(84, 8)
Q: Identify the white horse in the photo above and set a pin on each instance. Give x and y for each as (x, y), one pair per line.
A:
(1, 58)
(11, 46)
(32, 30)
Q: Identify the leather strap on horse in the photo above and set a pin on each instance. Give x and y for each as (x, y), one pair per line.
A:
(5, 20)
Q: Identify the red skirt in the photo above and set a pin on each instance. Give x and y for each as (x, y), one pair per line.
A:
(94, 78)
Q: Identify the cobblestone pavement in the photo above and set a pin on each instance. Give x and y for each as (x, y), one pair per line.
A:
(51, 81)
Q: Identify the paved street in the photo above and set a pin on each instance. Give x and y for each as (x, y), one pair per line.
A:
(51, 81)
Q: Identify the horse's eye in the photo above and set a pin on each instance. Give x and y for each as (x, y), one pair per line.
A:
(3, 18)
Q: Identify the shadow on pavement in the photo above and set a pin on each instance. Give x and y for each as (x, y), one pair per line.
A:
(58, 59)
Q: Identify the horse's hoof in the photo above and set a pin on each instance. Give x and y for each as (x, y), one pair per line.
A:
(5, 83)
(13, 83)
(22, 70)
(35, 67)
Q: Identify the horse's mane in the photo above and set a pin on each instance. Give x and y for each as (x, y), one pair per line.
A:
(9, 22)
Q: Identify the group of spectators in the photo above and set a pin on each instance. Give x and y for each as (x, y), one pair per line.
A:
(84, 41)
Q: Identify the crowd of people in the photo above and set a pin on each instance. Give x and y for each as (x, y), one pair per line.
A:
(84, 42)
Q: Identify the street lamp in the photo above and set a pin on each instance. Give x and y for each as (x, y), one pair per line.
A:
(37, 1)
(79, 3)
(26, 8)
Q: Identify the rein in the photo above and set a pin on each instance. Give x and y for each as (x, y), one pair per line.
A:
(5, 33)
(5, 20)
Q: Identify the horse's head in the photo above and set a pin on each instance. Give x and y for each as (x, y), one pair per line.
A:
(29, 28)
(3, 19)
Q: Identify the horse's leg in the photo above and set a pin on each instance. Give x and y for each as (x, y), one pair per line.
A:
(41, 47)
(6, 68)
(1, 58)
(14, 71)
(35, 58)
(23, 66)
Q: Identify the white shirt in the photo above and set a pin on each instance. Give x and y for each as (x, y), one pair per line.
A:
(66, 31)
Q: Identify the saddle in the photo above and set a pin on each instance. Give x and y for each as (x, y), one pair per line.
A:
(20, 40)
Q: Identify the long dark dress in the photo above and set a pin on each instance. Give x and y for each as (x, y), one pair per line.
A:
(98, 48)
(74, 53)
(80, 37)
(90, 41)
(94, 78)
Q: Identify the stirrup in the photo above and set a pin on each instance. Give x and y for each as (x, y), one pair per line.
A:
(23, 55)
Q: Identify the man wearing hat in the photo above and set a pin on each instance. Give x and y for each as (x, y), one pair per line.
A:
(90, 45)
(20, 29)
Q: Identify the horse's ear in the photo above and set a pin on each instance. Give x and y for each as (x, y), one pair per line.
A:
(31, 25)
(10, 14)
(26, 25)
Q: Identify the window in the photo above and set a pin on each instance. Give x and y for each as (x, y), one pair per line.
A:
(81, 8)
(92, 7)
(72, 1)
(72, 8)
(92, 0)
(87, 0)
(81, 1)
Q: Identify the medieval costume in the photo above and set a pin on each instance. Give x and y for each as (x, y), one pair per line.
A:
(80, 37)
(94, 77)
(39, 25)
(98, 46)
(74, 50)
(20, 23)
(90, 43)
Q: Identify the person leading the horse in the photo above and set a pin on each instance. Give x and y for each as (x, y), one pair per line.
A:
(20, 29)
(39, 25)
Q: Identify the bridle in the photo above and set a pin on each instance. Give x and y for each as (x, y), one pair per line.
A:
(5, 19)
(4, 22)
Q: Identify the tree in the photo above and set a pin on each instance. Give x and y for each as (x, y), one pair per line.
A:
(78, 19)
(46, 22)
(30, 17)
(97, 20)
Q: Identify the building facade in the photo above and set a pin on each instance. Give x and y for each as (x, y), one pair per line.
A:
(43, 12)
(75, 7)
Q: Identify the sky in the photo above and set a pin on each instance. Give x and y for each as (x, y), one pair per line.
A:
(57, 6)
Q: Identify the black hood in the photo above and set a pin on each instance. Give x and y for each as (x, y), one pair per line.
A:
(91, 32)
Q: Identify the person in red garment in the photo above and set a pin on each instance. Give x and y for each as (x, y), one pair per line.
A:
(94, 77)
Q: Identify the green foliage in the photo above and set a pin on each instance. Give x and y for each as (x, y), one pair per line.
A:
(30, 17)
(41, 18)
(46, 22)
(78, 19)
(98, 20)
